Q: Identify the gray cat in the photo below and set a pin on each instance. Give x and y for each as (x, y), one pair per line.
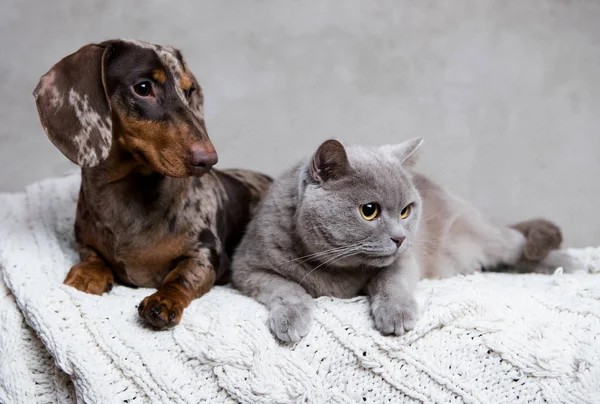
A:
(358, 220)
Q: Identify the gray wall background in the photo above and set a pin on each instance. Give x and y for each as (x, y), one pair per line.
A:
(505, 92)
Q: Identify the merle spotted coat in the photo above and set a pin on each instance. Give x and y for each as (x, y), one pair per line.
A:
(151, 212)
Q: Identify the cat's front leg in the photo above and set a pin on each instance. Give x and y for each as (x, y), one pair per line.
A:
(290, 306)
(394, 308)
(290, 315)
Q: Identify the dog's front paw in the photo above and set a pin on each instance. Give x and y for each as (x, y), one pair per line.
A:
(290, 323)
(161, 311)
(394, 316)
(90, 277)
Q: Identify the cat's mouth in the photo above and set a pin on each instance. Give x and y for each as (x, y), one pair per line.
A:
(379, 259)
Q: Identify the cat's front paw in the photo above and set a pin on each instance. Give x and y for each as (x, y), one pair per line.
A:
(290, 323)
(394, 316)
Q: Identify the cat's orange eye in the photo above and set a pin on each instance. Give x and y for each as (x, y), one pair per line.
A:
(369, 211)
(406, 211)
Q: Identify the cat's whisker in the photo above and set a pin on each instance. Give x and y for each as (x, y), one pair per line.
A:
(426, 219)
(321, 253)
(348, 248)
(349, 254)
(339, 256)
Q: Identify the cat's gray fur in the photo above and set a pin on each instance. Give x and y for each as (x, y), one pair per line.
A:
(309, 239)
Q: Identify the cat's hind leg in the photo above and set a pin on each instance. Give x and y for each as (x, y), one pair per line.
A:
(535, 248)
(542, 237)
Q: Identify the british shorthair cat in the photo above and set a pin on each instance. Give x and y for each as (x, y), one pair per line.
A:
(358, 220)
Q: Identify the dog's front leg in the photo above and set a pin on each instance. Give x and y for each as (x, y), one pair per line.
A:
(92, 274)
(191, 278)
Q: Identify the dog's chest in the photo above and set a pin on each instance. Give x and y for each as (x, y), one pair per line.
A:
(145, 264)
(142, 249)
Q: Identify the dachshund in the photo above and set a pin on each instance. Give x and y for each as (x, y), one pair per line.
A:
(151, 212)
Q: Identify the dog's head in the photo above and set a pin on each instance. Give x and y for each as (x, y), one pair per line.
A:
(126, 96)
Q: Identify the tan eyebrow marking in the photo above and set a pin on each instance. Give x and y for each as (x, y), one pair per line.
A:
(159, 75)
(186, 82)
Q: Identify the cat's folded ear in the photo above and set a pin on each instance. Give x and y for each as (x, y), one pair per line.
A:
(329, 162)
(73, 106)
(407, 152)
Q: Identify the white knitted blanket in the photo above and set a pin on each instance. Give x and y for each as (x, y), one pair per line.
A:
(484, 338)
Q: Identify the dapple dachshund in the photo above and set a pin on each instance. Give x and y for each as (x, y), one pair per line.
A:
(151, 212)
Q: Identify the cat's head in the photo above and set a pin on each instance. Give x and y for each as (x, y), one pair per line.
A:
(359, 203)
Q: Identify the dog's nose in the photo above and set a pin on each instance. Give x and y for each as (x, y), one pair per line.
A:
(398, 240)
(202, 157)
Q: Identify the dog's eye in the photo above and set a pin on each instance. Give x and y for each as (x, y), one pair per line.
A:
(191, 91)
(143, 89)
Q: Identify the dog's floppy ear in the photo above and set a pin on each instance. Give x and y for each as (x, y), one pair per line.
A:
(74, 107)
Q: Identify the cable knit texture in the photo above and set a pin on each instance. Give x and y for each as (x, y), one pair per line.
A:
(484, 338)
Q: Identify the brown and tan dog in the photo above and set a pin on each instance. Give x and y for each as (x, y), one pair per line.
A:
(151, 213)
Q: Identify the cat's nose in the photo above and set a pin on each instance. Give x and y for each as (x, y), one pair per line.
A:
(398, 240)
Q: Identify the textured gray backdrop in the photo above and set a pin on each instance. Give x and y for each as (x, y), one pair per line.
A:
(505, 92)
